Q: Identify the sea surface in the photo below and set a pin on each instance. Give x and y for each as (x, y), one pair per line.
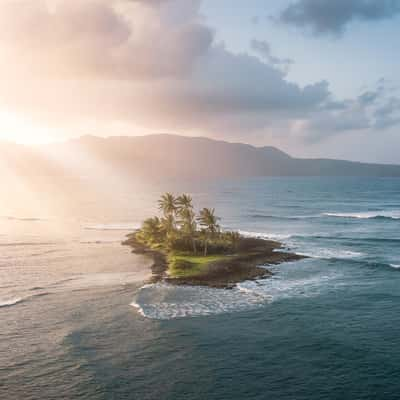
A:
(78, 321)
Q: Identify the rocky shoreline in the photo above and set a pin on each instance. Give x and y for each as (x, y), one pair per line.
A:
(245, 264)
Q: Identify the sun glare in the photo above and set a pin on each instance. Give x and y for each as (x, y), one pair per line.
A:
(16, 128)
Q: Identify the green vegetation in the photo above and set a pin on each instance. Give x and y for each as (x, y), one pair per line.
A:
(189, 248)
(185, 266)
(191, 242)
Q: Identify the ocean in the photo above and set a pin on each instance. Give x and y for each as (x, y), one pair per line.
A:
(77, 320)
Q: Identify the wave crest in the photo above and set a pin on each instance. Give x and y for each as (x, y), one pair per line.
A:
(161, 301)
(23, 219)
(395, 215)
(264, 235)
(10, 302)
(283, 217)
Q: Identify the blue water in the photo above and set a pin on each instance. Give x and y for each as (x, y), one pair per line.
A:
(327, 327)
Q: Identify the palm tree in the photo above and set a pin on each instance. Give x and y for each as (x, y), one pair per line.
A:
(167, 204)
(184, 201)
(189, 226)
(168, 223)
(151, 230)
(168, 227)
(209, 222)
(187, 218)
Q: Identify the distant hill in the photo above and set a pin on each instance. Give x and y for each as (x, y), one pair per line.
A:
(174, 156)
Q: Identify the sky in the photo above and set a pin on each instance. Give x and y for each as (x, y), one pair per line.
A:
(316, 78)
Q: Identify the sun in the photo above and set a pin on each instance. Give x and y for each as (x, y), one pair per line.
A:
(19, 129)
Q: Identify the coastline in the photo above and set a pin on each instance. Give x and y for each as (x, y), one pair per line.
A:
(249, 263)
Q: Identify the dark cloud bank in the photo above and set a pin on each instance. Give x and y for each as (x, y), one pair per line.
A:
(332, 16)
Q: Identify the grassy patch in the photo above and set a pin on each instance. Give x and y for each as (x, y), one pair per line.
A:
(186, 266)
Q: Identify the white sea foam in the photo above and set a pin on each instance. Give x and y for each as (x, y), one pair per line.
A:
(264, 235)
(280, 287)
(163, 302)
(330, 253)
(10, 302)
(17, 300)
(139, 308)
(397, 266)
(284, 217)
(23, 219)
(394, 214)
(289, 240)
(77, 282)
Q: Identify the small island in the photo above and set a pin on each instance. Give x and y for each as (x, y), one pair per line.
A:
(190, 249)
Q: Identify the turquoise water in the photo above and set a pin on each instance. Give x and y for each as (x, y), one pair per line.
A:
(327, 327)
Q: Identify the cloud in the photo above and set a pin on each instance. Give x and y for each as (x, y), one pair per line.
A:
(388, 114)
(93, 38)
(154, 65)
(329, 17)
(255, 20)
(263, 48)
(123, 67)
(328, 123)
(374, 109)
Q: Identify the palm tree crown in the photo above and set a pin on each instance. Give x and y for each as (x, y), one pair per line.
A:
(184, 201)
(187, 219)
(209, 220)
(167, 204)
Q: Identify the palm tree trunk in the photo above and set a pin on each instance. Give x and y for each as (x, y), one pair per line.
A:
(205, 247)
(194, 245)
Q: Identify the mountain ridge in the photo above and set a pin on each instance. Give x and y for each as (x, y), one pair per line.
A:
(168, 155)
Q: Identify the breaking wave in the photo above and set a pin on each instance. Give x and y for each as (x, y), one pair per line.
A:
(395, 215)
(17, 300)
(264, 235)
(282, 217)
(324, 253)
(163, 302)
(304, 249)
(10, 302)
(26, 219)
